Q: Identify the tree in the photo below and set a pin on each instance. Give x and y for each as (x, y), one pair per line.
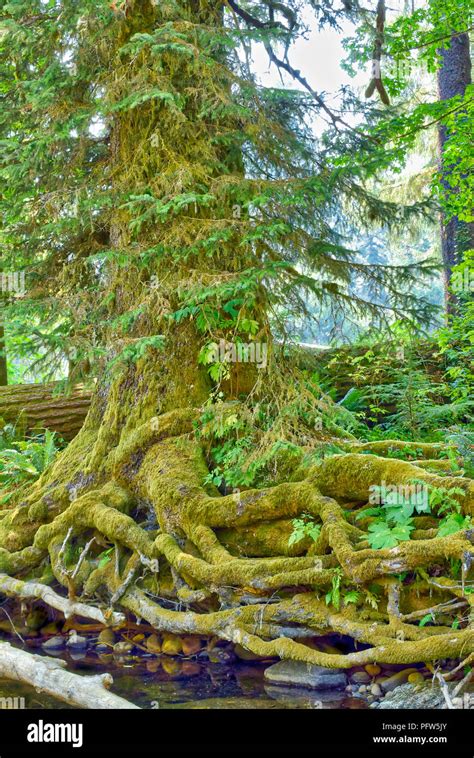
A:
(169, 208)
(454, 77)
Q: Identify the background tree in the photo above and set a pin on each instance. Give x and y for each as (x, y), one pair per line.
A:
(454, 77)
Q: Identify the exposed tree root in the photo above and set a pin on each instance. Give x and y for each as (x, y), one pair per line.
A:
(225, 557)
(34, 590)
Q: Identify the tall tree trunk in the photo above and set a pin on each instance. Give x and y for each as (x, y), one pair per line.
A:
(454, 76)
(3, 358)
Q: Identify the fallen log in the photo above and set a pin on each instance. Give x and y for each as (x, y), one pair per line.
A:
(40, 407)
(50, 675)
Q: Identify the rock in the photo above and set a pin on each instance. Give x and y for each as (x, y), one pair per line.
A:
(376, 690)
(191, 668)
(75, 641)
(171, 644)
(138, 638)
(413, 697)
(54, 643)
(36, 619)
(416, 678)
(360, 677)
(221, 655)
(297, 673)
(191, 645)
(123, 648)
(106, 639)
(246, 655)
(171, 667)
(51, 628)
(153, 665)
(396, 680)
(153, 644)
(372, 669)
(78, 655)
(363, 688)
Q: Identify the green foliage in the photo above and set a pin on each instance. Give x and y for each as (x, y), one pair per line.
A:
(304, 527)
(24, 460)
(333, 597)
(456, 341)
(382, 535)
(393, 519)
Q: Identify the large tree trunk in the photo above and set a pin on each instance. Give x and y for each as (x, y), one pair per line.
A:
(3, 357)
(454, 76)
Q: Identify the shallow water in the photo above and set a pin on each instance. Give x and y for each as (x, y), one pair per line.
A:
(163, 682)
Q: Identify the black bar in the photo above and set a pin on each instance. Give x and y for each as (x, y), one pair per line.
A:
(248, 732)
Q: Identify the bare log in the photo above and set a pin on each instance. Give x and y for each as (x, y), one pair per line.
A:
(49, 675)
(40, 407)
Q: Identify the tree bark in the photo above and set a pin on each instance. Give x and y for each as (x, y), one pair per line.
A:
(3, 358)
(454, 76)
(41, 408)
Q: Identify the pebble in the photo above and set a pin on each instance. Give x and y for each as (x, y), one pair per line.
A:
(153, 644)
(245, 655)
(401, 677)
(191, 645)
(360, 677)
(55, 643)
(416, 677)
(75, 641)
(171, 645)
(51, 628)
(122, 648)
(171, 667)
(372, 669)
(106, 639)
(376, 690)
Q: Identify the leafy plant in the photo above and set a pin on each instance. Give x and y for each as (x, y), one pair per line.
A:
(333, 597)
(382, 535)
(24, 460)
(304, 527)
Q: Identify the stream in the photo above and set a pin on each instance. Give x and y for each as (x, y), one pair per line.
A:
(161, 682)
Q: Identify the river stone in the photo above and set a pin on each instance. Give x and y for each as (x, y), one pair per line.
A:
(300, 674)
(360, 677)
(413, 697)
(401, 677)
(75, 641)
(55, 643)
